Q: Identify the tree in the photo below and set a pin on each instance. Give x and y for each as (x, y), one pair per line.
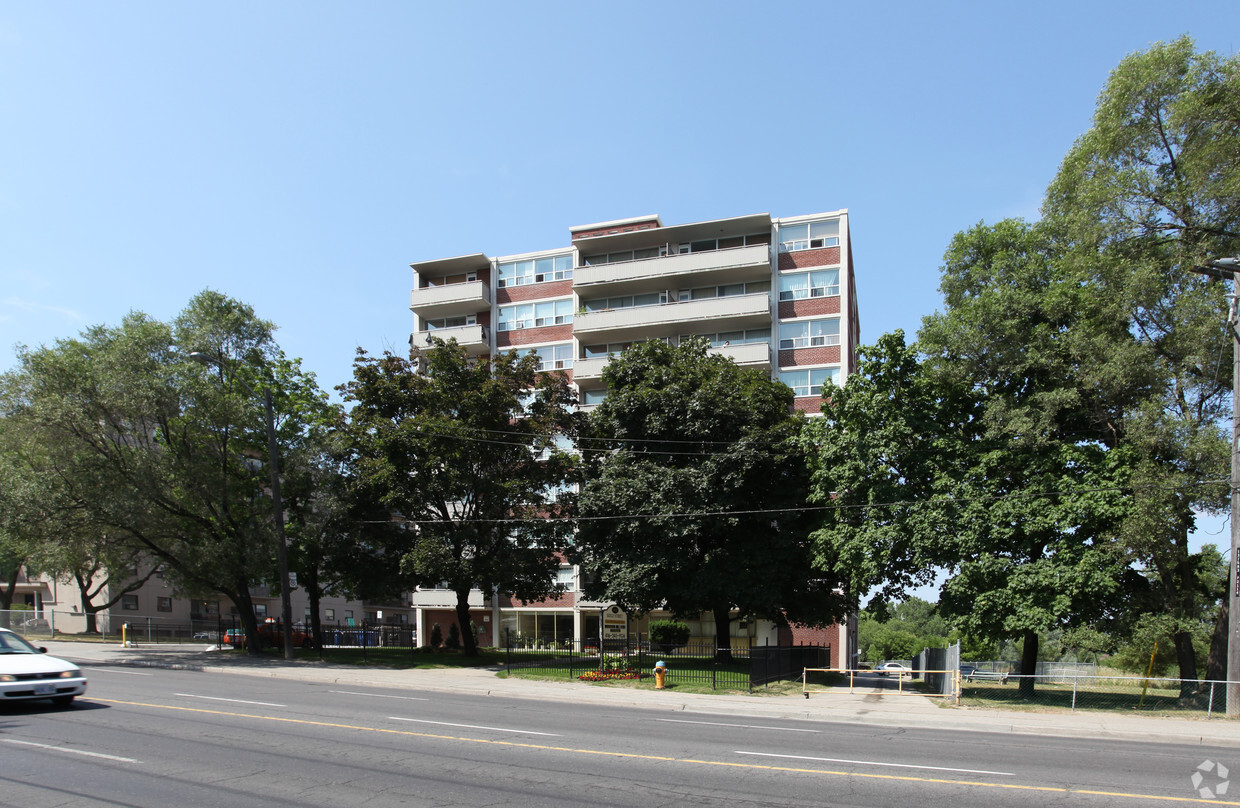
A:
(916, 481)
(1151, 190)
(164, 452)
(694, 493)
(468, 454)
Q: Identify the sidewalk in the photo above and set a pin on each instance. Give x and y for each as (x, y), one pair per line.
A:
(881, 709)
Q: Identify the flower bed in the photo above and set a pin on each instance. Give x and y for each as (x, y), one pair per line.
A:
(608, 676)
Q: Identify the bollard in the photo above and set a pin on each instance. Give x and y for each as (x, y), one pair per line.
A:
(660, 675)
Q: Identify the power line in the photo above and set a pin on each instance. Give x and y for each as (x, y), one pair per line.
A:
(936, 502)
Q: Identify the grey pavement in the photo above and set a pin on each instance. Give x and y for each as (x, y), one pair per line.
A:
(881, 709)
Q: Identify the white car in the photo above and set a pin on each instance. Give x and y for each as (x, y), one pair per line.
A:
(28, 673)
(893, 667)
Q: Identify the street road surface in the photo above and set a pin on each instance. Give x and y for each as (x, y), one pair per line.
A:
(154, 738)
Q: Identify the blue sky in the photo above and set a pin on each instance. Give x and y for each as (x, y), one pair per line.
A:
(298, 155)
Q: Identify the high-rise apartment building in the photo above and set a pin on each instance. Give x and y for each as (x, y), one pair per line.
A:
(772, 293)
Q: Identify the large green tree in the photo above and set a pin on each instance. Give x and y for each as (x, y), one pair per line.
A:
(162, 451)
(1150, 191)
(695, 491)
(914, 481)
(469, 455)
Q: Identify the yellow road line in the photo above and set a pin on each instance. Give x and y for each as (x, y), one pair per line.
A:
(693, 761)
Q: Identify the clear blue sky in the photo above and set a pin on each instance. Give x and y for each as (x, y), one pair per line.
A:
(298, 155)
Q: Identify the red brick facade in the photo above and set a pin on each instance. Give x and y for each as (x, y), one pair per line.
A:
(808, 405)
(533, 291)
(533, 336)
(808, 307)
(800, 357)
(628, 228)
(802, 259)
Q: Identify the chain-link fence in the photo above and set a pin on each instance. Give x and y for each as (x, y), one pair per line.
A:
(1073, 691)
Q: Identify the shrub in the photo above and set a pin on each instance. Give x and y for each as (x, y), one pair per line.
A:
(668, 634)
(454, 636)
(436, 636)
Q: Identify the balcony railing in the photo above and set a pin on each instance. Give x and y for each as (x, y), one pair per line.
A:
(739, 263)
(749, 354)
(722, 313)
(432, 302)
(476, 339)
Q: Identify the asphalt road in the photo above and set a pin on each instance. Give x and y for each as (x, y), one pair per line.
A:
(157, 737)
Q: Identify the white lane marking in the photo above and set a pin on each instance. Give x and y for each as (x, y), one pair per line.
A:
(51, 748)
(234, 701)
(742, 726)
(473, 726)
(377, 695)
(876, 763)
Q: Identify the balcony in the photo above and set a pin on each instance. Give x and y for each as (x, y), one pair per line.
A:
(476, 339)
(641, 322)
(678, 271)
(433, 302)
(749, 354)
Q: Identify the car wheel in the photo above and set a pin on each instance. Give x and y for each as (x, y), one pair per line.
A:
(63, 701)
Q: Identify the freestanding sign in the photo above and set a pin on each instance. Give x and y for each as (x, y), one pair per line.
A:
(615, 623)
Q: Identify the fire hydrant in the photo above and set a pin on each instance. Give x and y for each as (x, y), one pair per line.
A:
(660, 675)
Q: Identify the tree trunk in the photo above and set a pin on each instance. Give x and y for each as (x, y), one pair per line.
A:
(315, 594)
(465, 623)
(723, 633)
(1186, 656)
(1216, 662)
(1028, 663)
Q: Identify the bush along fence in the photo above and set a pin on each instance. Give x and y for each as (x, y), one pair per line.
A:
(694, 662)
(1153, 694)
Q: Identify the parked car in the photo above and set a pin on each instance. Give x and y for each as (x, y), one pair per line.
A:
(970, 674)
(28, 673)
(272, 633)
(898, 668)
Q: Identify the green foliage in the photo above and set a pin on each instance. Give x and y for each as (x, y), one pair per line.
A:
(461, 449)
(436, 636)
(454, 636)
(699, 456)
(154, 451)
(669, 633)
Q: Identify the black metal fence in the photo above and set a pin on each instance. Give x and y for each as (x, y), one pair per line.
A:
(696, 662)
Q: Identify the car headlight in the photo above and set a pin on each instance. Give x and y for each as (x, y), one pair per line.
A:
(70, 674)
(7, 677)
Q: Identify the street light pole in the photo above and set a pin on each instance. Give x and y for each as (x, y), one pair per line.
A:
(1228, 269)
(273, 465)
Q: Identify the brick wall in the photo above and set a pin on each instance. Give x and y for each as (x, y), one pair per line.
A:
(533, 291)
(800, 357)
(532, 336)
(807, 405)
(801, 259)
(808, 307)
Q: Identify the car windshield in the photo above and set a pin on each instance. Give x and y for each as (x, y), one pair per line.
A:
(13, 644)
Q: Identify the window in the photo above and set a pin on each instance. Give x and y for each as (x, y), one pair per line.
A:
(809, 382)
(330, 614)
(626, 301)
(535, 315)
(809, 333)
(348, 614)
(732, 337)
(624, 255)
(727, 290)
(564, 578)
(260, 610)
(809, 236)
(163, 604)
(591, 397)
(551, 357)
(450, 322)
(801, 285)
(129, 603)
(535, 270)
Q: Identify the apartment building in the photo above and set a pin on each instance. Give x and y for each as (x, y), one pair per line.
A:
(772, 293)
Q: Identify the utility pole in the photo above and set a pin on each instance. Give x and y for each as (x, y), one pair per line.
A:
(1228, 269)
